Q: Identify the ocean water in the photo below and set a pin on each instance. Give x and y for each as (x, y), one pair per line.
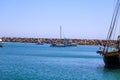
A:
(28, 61)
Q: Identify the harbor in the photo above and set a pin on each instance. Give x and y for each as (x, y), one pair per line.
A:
(60, 40)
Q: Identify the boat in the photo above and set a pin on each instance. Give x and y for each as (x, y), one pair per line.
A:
(65, 42)
(39, 42)
(69, 43)
(111, 55)
(1, 43)
(58, 44)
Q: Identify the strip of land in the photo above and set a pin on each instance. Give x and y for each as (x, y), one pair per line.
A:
(94, 42)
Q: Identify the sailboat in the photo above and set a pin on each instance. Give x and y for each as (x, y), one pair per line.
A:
(1, 43)
(111, 55)
(60, 44)
(66, 42)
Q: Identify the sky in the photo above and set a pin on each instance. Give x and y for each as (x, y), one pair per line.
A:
(80, 19)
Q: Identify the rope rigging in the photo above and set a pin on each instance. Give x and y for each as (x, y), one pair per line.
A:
(113, 24)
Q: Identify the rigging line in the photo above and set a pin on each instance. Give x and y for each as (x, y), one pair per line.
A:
(119, 15)
(112, 25)
(113, 21)
(116, 24)
(115, 29)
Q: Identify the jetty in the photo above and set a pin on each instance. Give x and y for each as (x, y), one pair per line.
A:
(91, 42)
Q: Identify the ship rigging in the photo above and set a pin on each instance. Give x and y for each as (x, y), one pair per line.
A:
(112, 57)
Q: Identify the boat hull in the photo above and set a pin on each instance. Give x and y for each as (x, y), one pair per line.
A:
(57, 45)
(63, 45)
(112, 61)
(70, 45)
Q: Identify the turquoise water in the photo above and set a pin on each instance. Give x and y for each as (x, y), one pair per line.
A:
(28, 61)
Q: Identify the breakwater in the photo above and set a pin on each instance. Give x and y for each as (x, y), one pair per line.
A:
(49, 41)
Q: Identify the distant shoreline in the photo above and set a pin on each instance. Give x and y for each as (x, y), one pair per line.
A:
(95, 42)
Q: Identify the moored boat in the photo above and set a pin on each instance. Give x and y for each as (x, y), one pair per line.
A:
(65, 42)
(1, 43)
(69, 43)
(57, 45)
(111, 55)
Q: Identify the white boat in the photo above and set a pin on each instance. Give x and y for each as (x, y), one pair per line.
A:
(1, 43)
(69, 43)
(66, 42)
(60, 44)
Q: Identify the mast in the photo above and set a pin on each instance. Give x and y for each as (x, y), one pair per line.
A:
(60, 32)
(114, 20)
(113, 24)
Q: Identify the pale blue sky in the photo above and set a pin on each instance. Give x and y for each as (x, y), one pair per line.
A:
(81, 19)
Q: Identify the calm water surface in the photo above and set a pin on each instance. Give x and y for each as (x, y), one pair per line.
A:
(27, 61)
